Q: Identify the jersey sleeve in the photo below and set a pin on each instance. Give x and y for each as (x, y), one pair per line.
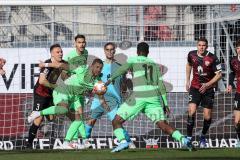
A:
(161, 87)
(216, 65)
(45, 70)
(189, 59)
(121, 70)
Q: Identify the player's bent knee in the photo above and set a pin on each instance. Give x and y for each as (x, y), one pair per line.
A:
(162, 125)
(117, 121)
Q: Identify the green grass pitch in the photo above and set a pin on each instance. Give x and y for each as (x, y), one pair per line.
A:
(137, 154)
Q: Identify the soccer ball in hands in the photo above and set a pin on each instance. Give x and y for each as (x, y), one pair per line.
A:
(99, 88)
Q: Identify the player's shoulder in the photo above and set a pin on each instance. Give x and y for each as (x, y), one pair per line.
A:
(71, 53)
(48, 61)
(85, 51)
(68, 55)
(234, 59)
(135, 58)
(117, 63)
(210, 54)
(193, 52)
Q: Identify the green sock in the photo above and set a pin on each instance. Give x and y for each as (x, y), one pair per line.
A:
(82, 131)
(177, 135)
(75, 137)
(119, 133)
(54, 110)
(72, 130)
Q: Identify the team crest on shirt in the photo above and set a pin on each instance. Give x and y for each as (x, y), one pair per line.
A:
(207, 63)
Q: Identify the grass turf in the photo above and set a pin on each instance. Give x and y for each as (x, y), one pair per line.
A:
(137, 154)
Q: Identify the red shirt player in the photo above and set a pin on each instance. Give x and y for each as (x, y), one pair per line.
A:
(235, 72)
(206, 70)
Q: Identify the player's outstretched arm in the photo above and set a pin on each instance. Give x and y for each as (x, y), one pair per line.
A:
(120, 71)
(63, 66)
(45, 82)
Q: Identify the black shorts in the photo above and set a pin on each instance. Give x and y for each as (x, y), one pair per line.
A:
(237, 102)
(41, 102)
(206, 99)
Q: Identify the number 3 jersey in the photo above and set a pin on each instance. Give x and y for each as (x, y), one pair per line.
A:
(204, 68)
(147, 79)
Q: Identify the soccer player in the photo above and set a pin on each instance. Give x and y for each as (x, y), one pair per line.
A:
(43, 89)
(70, 96)
(206, 70)
(2, 63)
(148, 87)
(235, 67)
(112, 96)
(76, 59)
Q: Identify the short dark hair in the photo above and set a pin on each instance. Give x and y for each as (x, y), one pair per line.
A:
(79, 36)
(110, 43)
(203, 39)
(238, 43)
(97, 60)
(143, 48)
(54, 46)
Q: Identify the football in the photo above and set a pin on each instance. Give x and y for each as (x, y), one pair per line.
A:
(99, 88)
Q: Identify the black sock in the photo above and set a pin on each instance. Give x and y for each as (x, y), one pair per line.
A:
(190, 125)
(237, 128)
(32, 133)
(206, 125)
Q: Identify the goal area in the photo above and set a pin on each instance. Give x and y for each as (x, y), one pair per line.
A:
(27, 31)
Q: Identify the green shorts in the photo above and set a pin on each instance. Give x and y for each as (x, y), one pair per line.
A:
(74, 101)
(151, 107)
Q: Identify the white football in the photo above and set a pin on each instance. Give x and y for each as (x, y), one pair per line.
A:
(99, 88)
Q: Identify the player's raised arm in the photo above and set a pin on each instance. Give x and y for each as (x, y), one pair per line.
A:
(60, 65)
(121, 70)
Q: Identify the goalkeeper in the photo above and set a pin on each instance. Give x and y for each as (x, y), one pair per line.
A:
(147, 89)
(70, 97)
(112, 96)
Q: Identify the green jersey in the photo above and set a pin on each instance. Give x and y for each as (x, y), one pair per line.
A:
(147, 79)
(76, 61)
(80, 83)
